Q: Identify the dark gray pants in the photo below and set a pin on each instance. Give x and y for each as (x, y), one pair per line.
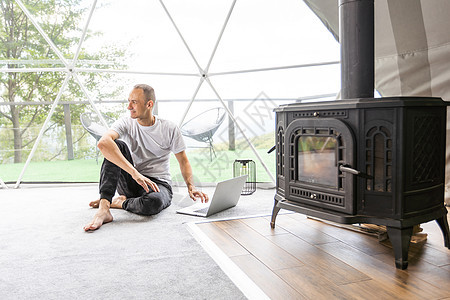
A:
(138, 201)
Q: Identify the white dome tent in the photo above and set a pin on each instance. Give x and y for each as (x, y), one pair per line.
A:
(245, 57)
(209, 53)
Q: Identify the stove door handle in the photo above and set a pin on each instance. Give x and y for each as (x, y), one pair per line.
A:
(349, 170)
(343, 168)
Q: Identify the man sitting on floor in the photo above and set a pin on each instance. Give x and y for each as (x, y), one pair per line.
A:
(137, 166)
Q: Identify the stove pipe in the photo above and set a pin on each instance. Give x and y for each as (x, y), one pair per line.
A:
(356, 37)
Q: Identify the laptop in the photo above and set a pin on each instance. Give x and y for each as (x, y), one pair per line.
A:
(225, 196)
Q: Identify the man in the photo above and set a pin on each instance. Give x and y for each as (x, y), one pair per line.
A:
(137, 166)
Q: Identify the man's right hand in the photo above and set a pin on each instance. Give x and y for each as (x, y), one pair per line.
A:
(112, 153)
(145, 182)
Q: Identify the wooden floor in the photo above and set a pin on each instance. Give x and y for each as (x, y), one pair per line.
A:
(303, 258)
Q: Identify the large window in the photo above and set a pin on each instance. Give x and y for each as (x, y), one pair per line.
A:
(245, 56)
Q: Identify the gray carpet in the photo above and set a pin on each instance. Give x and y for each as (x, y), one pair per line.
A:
(45, 254)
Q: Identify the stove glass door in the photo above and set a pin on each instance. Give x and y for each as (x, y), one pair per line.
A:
(316, 159)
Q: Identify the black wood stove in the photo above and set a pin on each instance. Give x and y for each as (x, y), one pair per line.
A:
(363, 160)
(378, 161)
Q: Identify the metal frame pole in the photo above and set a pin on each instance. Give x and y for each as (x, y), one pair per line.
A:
(41, 132)
(276, 68)
(83, 35)
(2, 184)
(192, 100)
(83, 88)
(181, 36)
(43, 34)
(242, 131)
(72, 71)
(220, 36)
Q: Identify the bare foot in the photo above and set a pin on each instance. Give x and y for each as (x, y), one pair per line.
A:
(116, 202)
(102, 216)
(95, 203)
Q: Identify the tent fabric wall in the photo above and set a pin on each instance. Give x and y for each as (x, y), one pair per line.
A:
(412, 48)
(412, 44)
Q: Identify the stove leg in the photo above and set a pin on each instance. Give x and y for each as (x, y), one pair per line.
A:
(443, 224)
(275, 211)
(400, 238)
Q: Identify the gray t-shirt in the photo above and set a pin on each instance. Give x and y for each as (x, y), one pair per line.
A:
(150, 146)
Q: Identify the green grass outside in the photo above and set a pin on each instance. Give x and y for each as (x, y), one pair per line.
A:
(221, 167)
(61, 171)
(204, 169)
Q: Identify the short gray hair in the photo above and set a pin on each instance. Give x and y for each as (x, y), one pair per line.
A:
(149, 92)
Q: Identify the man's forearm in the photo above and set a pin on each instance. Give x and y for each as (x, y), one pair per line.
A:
(186, 169)
(111, 152)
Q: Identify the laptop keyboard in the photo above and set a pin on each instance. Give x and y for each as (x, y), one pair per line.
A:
(203, 210)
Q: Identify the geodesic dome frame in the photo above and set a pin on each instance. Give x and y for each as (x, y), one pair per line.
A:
(203, 74)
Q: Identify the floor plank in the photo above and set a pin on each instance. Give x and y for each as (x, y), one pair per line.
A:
(228, 245)
(270, 283)
(365, 243)
(312, 284)
(262, 226)
(332, 269)
(311, 235)
(228, 224)
(304, 258)
(264, 250)
(432, 274)
(371, 289)
(432, 254)
(398, 281)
